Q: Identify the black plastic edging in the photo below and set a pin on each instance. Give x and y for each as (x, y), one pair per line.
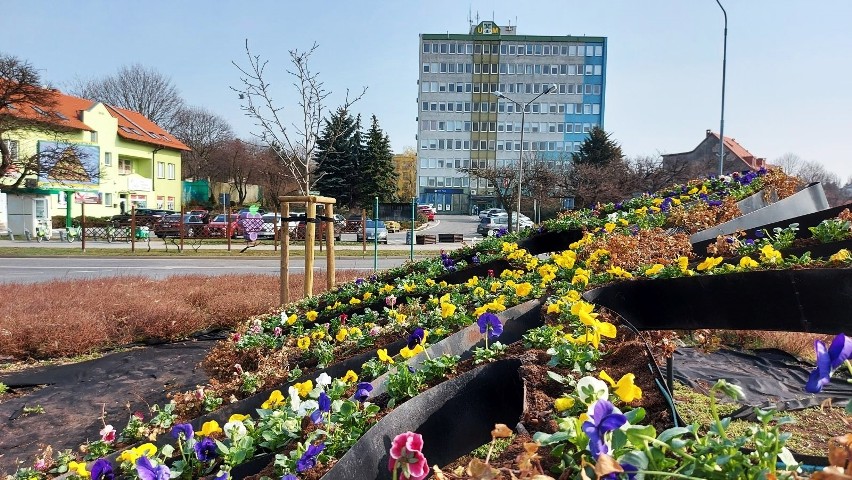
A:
(454, 418)
(813, 300)
(550, 241)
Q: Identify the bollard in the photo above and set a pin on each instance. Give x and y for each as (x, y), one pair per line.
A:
(28, 235)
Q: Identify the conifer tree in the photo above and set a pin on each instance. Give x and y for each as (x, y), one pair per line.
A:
(337, 165)
(599, 149)
(379, 175)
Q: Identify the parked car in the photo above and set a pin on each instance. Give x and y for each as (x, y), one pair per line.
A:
(525, 222)
(392, 226)
(219, 225)
(301, 229)
(374, 229)
(490, 212)
(491, 225)
(169, 226)
(426, 212)
(427, 206)
(204, 214)
(271, 222)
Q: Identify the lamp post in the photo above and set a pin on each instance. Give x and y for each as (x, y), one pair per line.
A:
(722, 121)
(523, 107)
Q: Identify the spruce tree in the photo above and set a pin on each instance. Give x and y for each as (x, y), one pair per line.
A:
(599, 149)
(336, 164)
(379, 173)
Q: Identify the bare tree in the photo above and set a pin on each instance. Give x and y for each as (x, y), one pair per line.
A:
(591, 184)
(790, 163)
(234, 162)
(203, 131)
(274, 178)
(138, 88)
(295, 147)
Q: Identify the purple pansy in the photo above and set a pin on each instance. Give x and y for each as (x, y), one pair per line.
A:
(603, 420)
(205, 449)
(289, 476)
(488, 322)
(416, 338)
(629, 469)
(828, 359)
(362, 391)
(102, 470)
(324, 402)
(147, 471)
(309, 458)
(184, 429)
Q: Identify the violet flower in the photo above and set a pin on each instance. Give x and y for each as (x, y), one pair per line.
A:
(184, 429)
(147, 471)
(362, 391)
(629, 469)
(309, 458)
(102, 470)
(604, 419)
(205, 449)
(828, 359)
(488, 322)
(324, 402)
(289, 476)
(415, 338)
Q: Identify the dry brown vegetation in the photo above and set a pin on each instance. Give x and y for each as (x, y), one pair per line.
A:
(68, 318)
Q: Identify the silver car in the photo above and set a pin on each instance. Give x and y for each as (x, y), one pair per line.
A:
(374, 229)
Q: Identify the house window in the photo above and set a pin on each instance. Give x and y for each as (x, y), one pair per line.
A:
(139, 201)
(160, 201)
(40, 208)
(94, 137)
(170, 203)
(161, 170)
(108, 199)
(108, 159)
(170, 168)
(125, 166)
(12, 145)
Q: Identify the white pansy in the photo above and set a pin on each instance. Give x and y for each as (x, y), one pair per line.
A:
(590, 389)
(235, 430)
(324, 380)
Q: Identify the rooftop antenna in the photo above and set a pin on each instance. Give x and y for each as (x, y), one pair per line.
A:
(477, 17)
(469, 16)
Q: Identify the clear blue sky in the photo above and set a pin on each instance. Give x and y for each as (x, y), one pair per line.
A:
(788, 73)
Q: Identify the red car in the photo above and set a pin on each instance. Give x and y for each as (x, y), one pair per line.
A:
(219, 224)
(427, 212)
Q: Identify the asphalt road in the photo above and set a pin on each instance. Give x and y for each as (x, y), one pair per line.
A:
(33, 269)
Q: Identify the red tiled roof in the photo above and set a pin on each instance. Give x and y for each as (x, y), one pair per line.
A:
(733, 146)
(67, 111)
(135, 126)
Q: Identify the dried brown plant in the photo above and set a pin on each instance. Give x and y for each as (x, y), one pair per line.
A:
(647, 247)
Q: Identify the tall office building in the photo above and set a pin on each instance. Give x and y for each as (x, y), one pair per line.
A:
(462, 122)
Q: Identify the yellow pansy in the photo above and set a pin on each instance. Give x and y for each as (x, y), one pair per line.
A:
(641, 211)
(692, 191)
(303, 343)
(619, 272)
(623, 222)
(609, 227)
(318, 334)
(572, 296)
(400, 317)
(367, 296)
(748, 262)
(408, 287)
(655, 269)
(304, 388)
(523, 289)
(311, 315)
(383, 355)
(209, 428)
(430, 282)
(683, 264)
(626, 390)
(410, 352)
(657, 201)
(709, 263)
(387, 288)
(654, 209)
(508, 247)
(447, 310)
(350, 377)
(354, 301)
(275, 399)
(676, 201)
(842, 255)
(581, 277)
(565, 259)
(472, 281)
(355, 332)
(445, 298)
(479, 311)
(563, 403)
(554, 308)
(768, 254)
(292, 319)
(341, 334)
(496, 286)
(238, 417)
(479, 291)
(78, 468)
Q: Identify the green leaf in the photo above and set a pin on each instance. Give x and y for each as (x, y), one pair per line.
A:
(347, 408)
(635, 416)
(671, 433)
(635, 434)
(636, 458)
(222, 447)
(556, 377)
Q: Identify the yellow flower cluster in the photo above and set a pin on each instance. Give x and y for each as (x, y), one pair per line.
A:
(509, 273)
(387, 288)
(748, 263)
(447, 310)
(275, 399)
(655, 269)
(626, 390)
(367, 296)
(291, 319)
(354, 301)
(565, 259)
(508, 247)
(132, 454)
(523, 289)
(496, 305)
(842, 255)
(768, 254)
(609, 227)
(398, 316)
(303, 343)
(350, 377)
(709, 263)
(619, 272)
(383, 355)
(472, 281)
(581, 277)
(410, 352)
(598, 256)
(595, 329)
(547, 273)
(311, 315)
(304, 388)
(683, 265)
(209, 428)
(587, 239)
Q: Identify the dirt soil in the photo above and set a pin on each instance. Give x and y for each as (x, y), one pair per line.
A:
(76, 397)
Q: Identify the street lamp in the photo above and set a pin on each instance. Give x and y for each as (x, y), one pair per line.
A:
(523, 107)
(722, 121)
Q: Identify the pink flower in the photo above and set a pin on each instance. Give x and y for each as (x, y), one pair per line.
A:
(40, 465)
(235, 337)
(406, 455)
(108, 434)
(390, 301)
(277, 331)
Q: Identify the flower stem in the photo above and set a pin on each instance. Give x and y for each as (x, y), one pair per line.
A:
(669, 475)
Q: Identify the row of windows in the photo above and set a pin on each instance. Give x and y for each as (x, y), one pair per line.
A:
(458, 48)
(459, 87)
(161, 170)
(513, 68)
(504, 145)
(529, 127)
(447, 181)
(125, 166)
(508, 107)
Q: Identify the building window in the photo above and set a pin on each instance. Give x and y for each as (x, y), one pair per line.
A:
(170, 203)
(94, 137)
(161, 170)
(171, 171)
(125, 166)
(12, 145)
(108, 159)
(108, 199)
(160, 201)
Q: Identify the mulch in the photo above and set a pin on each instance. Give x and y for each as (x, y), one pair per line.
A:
(79, 398)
